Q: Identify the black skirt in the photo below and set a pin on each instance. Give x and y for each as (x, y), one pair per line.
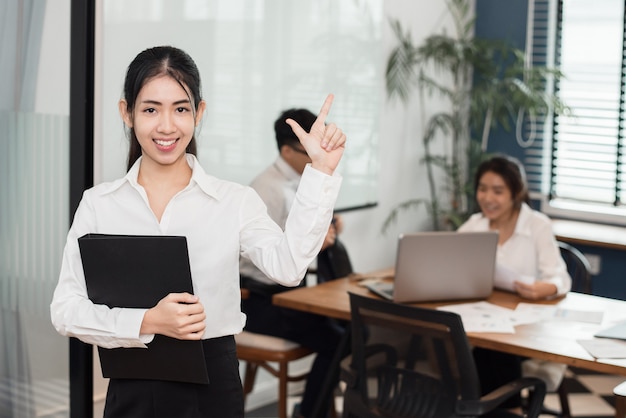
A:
(221, 398)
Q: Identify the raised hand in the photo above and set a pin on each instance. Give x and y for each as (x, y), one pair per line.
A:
(177, 315)
(324, 143)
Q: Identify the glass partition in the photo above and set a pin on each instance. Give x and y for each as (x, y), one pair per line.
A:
(34, 137)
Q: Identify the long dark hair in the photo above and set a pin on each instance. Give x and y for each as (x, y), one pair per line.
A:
(154, 62)
(513, 174)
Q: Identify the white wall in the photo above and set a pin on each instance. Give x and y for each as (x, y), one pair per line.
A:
(402, 177)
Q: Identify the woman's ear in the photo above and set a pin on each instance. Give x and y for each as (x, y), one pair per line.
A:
(126, 117)
(200, 112)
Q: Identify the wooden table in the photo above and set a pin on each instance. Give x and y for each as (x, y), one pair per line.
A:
(549, 340)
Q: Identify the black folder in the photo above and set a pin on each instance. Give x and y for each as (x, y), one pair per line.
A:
(136, 271)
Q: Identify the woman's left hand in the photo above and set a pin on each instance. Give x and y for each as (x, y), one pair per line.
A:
(535, 291)
(324, 143)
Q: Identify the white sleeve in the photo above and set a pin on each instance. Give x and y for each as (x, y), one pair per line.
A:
(285, 256)
(71, 311)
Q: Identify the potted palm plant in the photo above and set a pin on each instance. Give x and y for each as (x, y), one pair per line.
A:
(486, 84)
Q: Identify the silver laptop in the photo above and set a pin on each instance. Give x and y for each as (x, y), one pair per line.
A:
(437, 266)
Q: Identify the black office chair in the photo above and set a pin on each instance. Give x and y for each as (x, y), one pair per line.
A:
(415, 362)
(579, 270)
(577, 267)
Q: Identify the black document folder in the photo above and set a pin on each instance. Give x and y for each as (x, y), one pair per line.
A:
(131, 271)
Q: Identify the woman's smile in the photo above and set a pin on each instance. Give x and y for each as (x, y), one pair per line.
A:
(165, 144)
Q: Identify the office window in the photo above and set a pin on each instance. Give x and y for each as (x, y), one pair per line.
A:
(584, 177)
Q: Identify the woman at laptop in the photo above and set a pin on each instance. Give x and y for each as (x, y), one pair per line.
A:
(526, 243)
(526, 247)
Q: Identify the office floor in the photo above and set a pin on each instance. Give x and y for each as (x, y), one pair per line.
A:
(590, 397)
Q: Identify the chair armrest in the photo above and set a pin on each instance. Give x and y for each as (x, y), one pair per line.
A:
(495, 398)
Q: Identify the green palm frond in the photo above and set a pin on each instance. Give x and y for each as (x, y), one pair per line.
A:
(402, 71)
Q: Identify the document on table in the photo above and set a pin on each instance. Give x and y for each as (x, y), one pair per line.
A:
(604, 348)
(486, 317)
(483, 317)
(527, 313)
(505, 278)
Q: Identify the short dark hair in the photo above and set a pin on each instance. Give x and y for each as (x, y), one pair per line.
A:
(511, 171)
(284, 133)
(154, 62)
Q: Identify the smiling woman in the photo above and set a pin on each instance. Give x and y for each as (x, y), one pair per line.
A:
(163, 120)
(166, 192)
(256, 59)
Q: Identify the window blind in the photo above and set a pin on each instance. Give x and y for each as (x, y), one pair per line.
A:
(537, 130)
(587, 163)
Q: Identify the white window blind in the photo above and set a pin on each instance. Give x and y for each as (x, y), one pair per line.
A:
(576, 160)
(587, 154)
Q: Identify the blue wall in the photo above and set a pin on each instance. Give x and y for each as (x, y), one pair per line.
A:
(506, 20)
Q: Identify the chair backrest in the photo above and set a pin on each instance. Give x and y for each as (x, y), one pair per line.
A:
(409, 361)
(577, 267)
(333, 263)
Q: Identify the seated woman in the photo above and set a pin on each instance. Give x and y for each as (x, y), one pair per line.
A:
(526, 246)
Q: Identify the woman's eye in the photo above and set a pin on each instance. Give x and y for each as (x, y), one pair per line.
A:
(150, 110)
(182, 109)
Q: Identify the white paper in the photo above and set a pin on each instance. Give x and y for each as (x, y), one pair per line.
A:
(483, 317)
(604, 348)
(505, 278)
(487, 317)
(593, 317)
(528, 313)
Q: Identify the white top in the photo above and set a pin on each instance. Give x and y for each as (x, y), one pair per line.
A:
(221, 221)
(531, 250)
(277, 186)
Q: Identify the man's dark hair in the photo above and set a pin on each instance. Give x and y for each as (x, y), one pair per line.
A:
(284, 133)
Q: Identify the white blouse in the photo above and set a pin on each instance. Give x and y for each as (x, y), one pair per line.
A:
(221, 221)
(531, 250)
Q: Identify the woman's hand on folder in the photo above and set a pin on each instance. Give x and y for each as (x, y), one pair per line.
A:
(178, 315)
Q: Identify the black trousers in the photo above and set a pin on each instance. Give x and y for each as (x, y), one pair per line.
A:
(316, 332)
(221, 398)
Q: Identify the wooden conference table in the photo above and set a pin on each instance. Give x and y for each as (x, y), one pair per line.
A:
(549, 340)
